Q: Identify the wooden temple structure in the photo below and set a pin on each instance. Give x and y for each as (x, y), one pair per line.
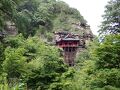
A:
(69, 43)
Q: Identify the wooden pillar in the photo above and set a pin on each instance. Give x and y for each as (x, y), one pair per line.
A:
(69, 55)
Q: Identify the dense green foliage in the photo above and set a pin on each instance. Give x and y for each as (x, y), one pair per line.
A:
(33, 61)
(101, 70)
(111, 22)
(99, 64)
(28, 61)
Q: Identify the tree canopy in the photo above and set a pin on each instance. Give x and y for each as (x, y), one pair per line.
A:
(111, 22)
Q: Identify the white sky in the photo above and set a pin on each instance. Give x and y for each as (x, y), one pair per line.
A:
(91, 10)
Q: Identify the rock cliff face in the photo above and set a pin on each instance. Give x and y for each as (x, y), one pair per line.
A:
(71, 24)
(70, 20)
(10, 28)
(74, 26)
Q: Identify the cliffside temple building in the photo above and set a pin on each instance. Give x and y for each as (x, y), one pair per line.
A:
(70, 43)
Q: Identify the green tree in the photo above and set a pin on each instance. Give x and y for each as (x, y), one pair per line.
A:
(111, 22)
(107, 63)
(109, 52)
(26, 21)
(8, 11)
(46, 68)
(14, 61)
